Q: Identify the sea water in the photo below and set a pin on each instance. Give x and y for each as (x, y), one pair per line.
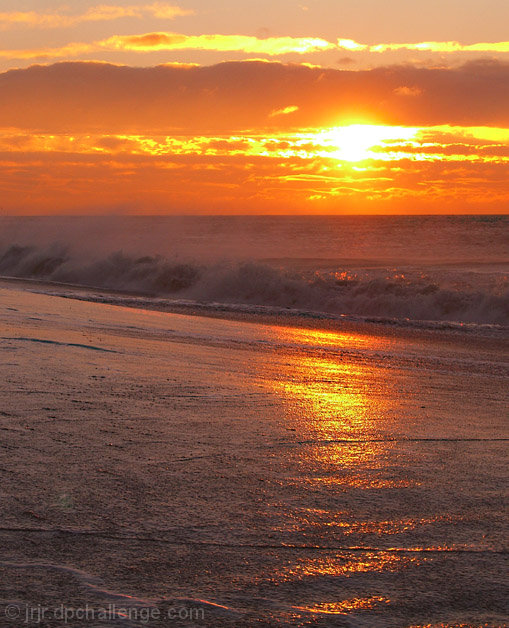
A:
(393, 268)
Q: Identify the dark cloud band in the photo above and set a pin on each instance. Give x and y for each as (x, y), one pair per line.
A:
(234, 96)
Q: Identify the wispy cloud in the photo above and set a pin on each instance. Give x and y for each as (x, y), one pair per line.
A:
(283, 112)
(442, 46)
(62, 52)
(100, 13)
(424, 46)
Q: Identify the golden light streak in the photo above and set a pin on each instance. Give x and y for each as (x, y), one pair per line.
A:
(163, 41)
(344, 144)
(174, 41)
(443, 46)
(490, 133)
(424, 46)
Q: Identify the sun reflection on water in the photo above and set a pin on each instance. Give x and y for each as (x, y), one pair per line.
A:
(347, 564)
(339, 408)
(346, 606)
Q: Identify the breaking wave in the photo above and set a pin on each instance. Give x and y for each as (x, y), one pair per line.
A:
(385, 293)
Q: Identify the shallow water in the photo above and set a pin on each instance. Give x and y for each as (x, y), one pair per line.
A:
(264, 475)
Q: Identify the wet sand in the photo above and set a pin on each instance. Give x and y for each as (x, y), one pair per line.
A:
(189, 471)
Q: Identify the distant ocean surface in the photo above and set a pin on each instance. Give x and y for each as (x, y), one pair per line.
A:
(414, 269)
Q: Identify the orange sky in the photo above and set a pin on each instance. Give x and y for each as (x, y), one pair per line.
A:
(254, 107)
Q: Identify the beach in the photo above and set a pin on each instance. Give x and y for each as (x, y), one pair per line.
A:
(187, 470)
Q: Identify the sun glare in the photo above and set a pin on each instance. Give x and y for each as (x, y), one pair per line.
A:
(356, 141)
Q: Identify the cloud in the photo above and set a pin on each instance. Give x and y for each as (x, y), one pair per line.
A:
(271, 46)
(169, 41)
(351, 45)
(354, 143)
(424, 46)
(100, 97)
(42, 54)
(100, 13)
(443, 47)
(283, 112)
(157, 42)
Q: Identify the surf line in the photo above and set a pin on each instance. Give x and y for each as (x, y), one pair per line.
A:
(280, 546)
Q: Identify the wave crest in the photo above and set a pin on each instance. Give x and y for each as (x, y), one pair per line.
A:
(394, 294)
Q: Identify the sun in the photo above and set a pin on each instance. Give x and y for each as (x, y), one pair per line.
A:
(356, 141)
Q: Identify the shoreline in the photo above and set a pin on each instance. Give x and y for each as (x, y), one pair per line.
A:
(494, 337)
